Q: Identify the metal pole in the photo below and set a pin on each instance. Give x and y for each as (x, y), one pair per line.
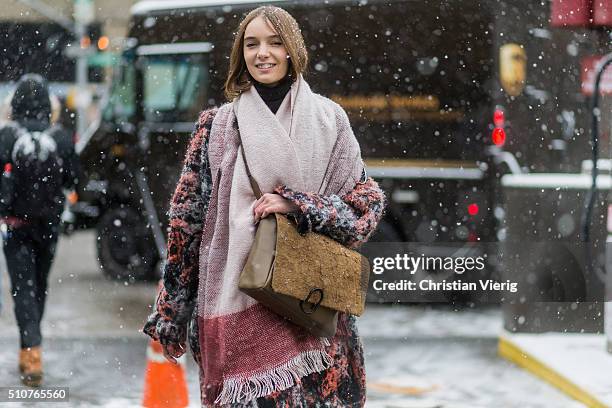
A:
(604, 63)
(81, 81)
(83, 15)
(78, 30)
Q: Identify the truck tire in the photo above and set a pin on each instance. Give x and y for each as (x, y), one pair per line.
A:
(126, 250)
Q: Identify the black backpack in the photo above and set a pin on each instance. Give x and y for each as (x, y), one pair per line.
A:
(37, 175)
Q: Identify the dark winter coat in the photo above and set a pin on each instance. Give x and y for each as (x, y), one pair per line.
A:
(31, 110)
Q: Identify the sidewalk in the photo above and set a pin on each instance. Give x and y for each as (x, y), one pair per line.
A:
(577, 364)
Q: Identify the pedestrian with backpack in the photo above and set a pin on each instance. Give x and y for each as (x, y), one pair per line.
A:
(39, 162)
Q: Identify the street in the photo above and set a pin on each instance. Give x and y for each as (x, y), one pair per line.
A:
(93, 346)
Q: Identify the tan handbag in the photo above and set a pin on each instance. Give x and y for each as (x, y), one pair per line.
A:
(307, 278)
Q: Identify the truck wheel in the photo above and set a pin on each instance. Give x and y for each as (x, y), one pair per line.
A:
(126, 250)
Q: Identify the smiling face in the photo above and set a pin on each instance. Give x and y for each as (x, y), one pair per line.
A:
(264, 40)
(264, 53)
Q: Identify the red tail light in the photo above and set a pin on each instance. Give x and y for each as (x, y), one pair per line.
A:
(498, 118)
(499, 121)
(499, 136)
(473, 209)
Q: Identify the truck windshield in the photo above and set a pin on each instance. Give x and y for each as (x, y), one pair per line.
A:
(121, 106)
(175, 87)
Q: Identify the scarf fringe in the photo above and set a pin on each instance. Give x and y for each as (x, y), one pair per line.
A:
(240, 389)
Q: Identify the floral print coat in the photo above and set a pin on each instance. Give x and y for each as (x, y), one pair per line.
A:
(349, 219)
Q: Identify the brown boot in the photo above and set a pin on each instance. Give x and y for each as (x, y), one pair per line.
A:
(30, 366)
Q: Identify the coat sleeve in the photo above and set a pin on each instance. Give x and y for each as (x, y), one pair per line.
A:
(349, 219)
(177, 296)
(7, 139)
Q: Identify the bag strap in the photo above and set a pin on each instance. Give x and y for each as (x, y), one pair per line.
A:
(254, 185)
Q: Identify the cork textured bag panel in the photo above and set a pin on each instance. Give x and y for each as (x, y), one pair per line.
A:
(306, 262)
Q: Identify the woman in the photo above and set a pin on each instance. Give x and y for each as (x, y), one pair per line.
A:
(306, 160)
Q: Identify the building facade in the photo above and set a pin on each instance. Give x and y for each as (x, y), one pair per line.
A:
(113, 14)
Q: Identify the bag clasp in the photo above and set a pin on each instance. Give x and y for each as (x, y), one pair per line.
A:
(312, 307)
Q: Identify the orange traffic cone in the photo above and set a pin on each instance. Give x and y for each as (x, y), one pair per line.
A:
(165, 385)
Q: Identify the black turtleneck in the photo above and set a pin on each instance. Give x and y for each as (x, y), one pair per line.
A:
(273, 95)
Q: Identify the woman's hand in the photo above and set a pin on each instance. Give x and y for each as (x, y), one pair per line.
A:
(270, 204)
(173, 351)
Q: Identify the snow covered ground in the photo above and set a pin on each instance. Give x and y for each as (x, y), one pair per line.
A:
(447, 358)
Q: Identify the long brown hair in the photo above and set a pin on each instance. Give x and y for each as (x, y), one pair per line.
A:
(238, 78)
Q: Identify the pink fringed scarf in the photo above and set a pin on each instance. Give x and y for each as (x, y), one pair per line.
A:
(248, 351)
